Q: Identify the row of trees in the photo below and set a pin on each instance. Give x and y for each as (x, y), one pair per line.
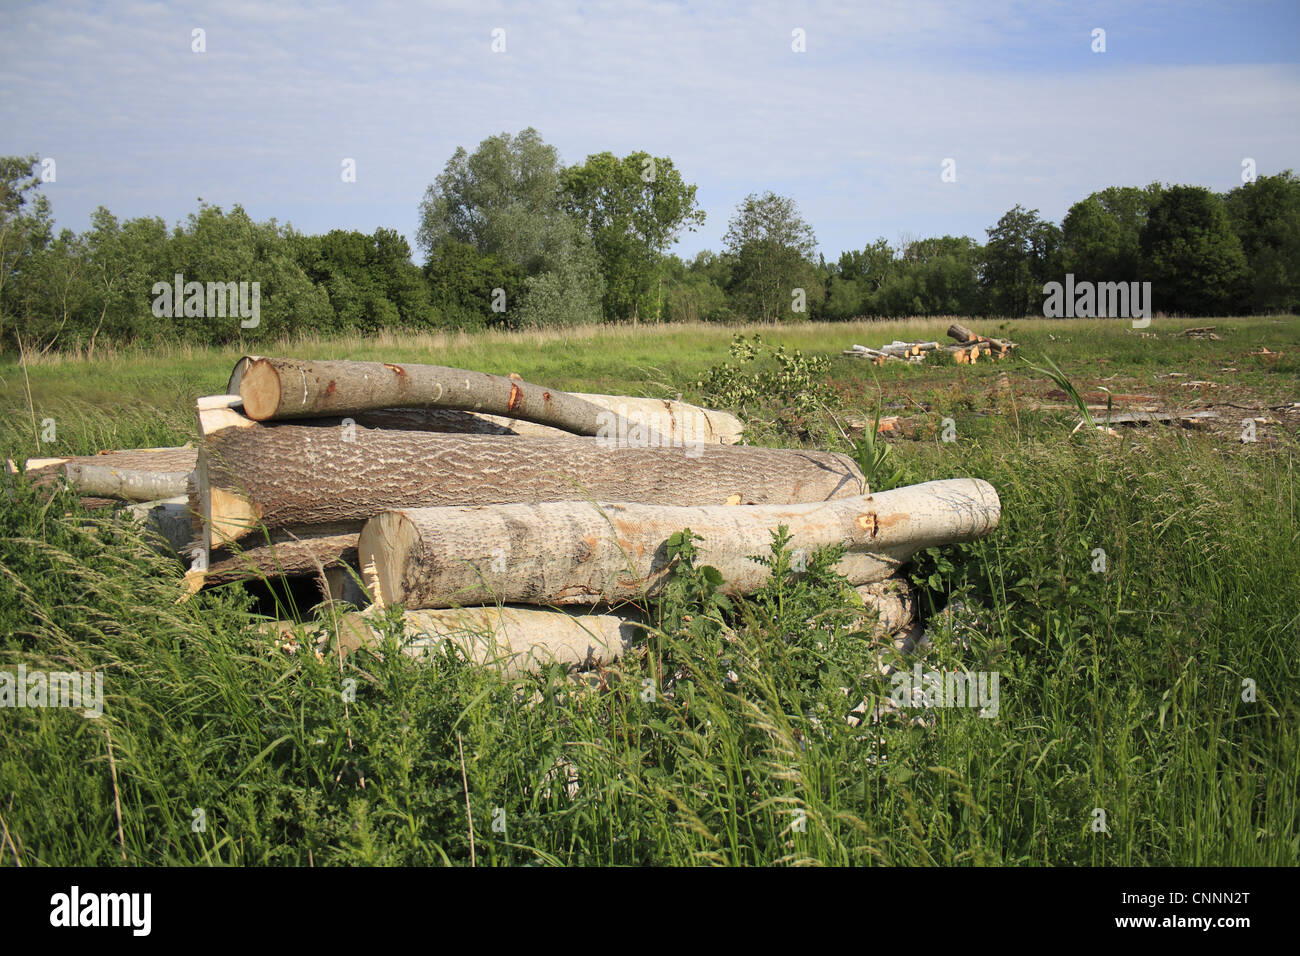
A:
(511, 237)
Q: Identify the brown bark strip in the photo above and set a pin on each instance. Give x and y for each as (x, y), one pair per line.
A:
(287, 553)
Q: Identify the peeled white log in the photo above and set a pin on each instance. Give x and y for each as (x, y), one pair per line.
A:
(512, 639)
(139, 474)
(676, 422)
(573, 552)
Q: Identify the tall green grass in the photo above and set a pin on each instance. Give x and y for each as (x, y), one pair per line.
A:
(1121, 690)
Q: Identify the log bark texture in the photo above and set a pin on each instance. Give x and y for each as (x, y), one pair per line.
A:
(892, 603)
(290, 553)
(512, 639)
(282, 388)
(144, 474)
(572, 552)
(284, 475)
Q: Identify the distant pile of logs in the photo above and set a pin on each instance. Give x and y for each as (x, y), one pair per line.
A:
(968, 350)
(522, 524)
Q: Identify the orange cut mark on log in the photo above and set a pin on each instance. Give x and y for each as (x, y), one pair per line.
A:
(868, 522)
(516, 397)
(395, 369)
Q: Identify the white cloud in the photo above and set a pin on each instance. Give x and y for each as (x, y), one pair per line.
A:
(855, 129)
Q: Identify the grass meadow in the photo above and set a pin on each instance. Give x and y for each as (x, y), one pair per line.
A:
(1140, 601)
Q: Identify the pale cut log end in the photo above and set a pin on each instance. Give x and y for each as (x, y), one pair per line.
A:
(34, 463)
(259, 387)
(229, 517)
(383, 548)
(237, 373)
(233, 515)
(191, 585)
(371, 578)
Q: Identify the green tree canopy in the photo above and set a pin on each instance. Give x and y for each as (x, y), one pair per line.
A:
(1191, 255)
(1100, 234)
(633, 208)
(1022, 255)
(26, 227)
(1265, 215)
(772, 248)
(504, 200)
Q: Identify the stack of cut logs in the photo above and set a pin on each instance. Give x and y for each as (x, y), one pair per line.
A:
(968, 350)
(523, 524)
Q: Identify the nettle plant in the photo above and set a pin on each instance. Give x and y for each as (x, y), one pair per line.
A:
(793, 387)
(799, 636)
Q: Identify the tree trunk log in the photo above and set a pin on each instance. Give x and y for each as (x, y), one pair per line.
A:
(676, 423)
(292, 475)
(301, 552)
(689, 423)
(281, 388)
(514, 640)
(143, 474)
(576, 552)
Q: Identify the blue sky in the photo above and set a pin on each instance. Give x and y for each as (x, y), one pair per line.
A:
(856, 128)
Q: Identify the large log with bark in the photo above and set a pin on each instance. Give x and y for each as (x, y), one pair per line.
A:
(139, 474)
(283, 388)
(511, 639)
(282, 475)
(578, 552)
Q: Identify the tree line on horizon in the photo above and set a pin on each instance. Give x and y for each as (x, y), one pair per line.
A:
(512, 238)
